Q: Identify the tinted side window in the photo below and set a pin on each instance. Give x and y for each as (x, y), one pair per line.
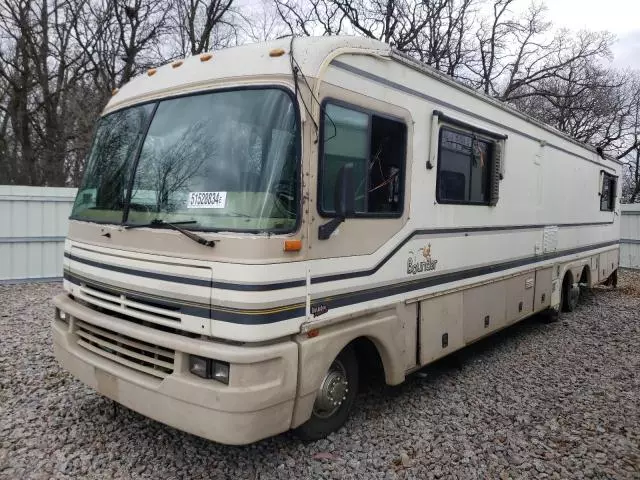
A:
(375, 146)
(608, 193)
(345, 137)
(464, 165)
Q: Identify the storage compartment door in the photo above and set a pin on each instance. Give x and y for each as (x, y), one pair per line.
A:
(542, 298)
(440, 326)
(484, 310)
(520, 292)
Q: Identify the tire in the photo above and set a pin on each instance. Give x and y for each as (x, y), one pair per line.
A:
(325, 418)
(584, 283)
(570, 295)
(550, 315)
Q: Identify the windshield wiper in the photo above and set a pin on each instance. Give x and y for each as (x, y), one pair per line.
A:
(157, 222)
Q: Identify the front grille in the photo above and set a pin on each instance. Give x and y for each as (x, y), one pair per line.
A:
(132, 353)
(141, 309)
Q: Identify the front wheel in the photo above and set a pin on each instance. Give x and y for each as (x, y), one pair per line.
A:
(335, 397)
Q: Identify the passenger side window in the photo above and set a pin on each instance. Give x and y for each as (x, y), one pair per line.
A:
(375, 146)
(466, 170)
(608, 193)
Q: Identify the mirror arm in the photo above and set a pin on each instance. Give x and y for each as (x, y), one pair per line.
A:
(325, 231)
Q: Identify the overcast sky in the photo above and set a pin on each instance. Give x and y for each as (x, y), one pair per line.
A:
(621, 17)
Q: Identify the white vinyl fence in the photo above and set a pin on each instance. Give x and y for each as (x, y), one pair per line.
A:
(33, 224)
(630, 236)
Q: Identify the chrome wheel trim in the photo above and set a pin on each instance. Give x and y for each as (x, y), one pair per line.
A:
(332, 392)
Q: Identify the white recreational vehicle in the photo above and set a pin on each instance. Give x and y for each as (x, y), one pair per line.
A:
(258, 225)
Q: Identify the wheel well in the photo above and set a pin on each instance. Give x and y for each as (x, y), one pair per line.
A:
(585, 276)
(370, 366)
(567, 282)
(568, 278)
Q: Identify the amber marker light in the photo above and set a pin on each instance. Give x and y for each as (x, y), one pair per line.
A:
(292, 245)
(313, 333)
(176, 64)
(151, 72)
(276, 52)
(205, 57)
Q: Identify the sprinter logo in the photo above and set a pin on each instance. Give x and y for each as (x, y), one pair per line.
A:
(416, 265)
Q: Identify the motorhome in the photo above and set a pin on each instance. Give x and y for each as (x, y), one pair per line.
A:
(258, 227)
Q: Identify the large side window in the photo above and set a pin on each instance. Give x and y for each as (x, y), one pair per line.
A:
(608, 193)
(375, 146)
(465, 168)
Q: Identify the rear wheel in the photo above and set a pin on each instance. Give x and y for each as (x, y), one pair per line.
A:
(585, 281)
(335, 397)
(569, 295)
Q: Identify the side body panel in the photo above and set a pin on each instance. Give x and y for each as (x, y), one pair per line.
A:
(520, 292)
(484, 310)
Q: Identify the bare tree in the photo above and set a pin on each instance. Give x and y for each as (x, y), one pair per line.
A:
(40, 74)
(630, 156)
(442, 41)
(203, 24)
(140, 24)
(261, 21)
(60, 60)
(312, 17)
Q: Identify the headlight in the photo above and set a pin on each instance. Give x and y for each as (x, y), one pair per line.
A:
(209, 368)
(221, 372)
(199, 366)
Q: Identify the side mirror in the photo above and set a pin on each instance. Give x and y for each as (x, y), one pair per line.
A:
(343, 201)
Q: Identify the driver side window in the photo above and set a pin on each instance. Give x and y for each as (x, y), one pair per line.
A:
(375, 145)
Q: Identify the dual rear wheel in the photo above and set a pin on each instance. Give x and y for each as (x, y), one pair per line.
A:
(571, 292)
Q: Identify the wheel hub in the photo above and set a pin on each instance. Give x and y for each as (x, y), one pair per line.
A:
(333, 391)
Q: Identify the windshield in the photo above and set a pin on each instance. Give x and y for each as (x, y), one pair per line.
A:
(226, 160)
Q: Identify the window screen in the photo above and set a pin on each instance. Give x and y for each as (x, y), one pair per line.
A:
(464, 168)
(608, 193)
(375, 146)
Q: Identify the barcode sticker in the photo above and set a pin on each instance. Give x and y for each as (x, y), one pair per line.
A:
(207, 200)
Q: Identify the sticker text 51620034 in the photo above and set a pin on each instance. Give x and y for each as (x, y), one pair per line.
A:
(207, 199)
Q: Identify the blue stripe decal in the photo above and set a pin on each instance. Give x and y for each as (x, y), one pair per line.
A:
(247, 287)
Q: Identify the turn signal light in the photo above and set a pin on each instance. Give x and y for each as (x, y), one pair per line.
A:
(176, 64)
(205, 57)
(276, 52)
(151, 72)
(292, 245)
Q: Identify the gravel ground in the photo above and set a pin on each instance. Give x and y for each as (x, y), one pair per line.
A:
(535, 401)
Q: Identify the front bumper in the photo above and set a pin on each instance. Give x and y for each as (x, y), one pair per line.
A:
(257, 403)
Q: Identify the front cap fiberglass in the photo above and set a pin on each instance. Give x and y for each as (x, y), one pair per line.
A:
(225, 160)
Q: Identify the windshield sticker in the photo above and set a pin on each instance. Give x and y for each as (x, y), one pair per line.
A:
(207, 200)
